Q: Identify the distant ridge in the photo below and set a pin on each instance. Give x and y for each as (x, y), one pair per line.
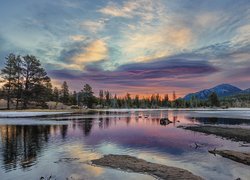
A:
(246, 91)
(221, 90)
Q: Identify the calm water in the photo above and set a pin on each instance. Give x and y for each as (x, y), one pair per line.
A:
(62, 147)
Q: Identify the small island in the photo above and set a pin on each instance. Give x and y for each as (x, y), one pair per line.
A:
(132, 164)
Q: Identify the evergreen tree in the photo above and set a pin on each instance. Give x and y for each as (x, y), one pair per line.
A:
(128, 100)
(214, 100)
(18, 80)
(56, 95)
(101, 98)
(88, 96)
(137, 101)
(9, 74)
(48, 91)
(35, 78)
(114, 102)
(153, 101)
(65, 93)
(74, 98)
(165, 102)
(107, 98)
(158, 100)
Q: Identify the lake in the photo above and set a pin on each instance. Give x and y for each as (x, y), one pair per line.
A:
(62, 147)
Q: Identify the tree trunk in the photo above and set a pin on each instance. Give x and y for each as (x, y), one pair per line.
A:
(8, 99)
(8, 96)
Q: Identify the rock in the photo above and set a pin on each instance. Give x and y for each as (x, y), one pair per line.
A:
(165, 121)
(129, 163)
(241, 157)
(237, 134)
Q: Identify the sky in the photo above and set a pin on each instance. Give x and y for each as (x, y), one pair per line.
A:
(136, 46)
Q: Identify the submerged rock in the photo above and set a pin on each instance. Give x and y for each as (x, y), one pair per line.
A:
(129, 163)
(165, 121)
(67, 160)
(241, 157)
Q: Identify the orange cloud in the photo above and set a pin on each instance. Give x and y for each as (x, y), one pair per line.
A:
(95, 51)
(124, 11)
(162, 42)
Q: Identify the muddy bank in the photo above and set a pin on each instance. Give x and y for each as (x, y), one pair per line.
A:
(128, 163)
(237, 134)
(241, 157)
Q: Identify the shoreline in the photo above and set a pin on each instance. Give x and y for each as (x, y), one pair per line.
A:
(236, 134)
(197, 112)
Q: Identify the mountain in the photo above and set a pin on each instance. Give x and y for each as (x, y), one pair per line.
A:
(221, 90)
(246, 91)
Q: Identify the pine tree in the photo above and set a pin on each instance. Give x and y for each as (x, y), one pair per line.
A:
(8, 74)
(65, 93)
(165, 102)
(137, 101)
(18, 80)
(48, 91)
(128, 100)
(158, 100)
(214, 100)
(35, 78)
(74, 98)
(88, 98)
(114, 102)
(56, 95)
(101, 98)
(107, 98)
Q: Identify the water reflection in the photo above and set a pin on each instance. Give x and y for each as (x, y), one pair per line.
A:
(216, 120)
(23, 146)
(63, 130)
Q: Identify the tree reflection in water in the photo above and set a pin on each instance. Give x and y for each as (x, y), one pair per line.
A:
(21, 144)
(63, 130)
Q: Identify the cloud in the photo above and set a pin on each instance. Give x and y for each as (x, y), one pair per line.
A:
(147, 10)
(206, 19)
(161, 42)
(93, 26)
(77, 38)
(95, 51)
(159, 76)
(150, 34)
(139, 31)
(242, 35)
(120, 11)
(77, 54)
(144, 74)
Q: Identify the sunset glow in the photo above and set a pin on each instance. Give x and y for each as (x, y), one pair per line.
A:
(136, 46)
